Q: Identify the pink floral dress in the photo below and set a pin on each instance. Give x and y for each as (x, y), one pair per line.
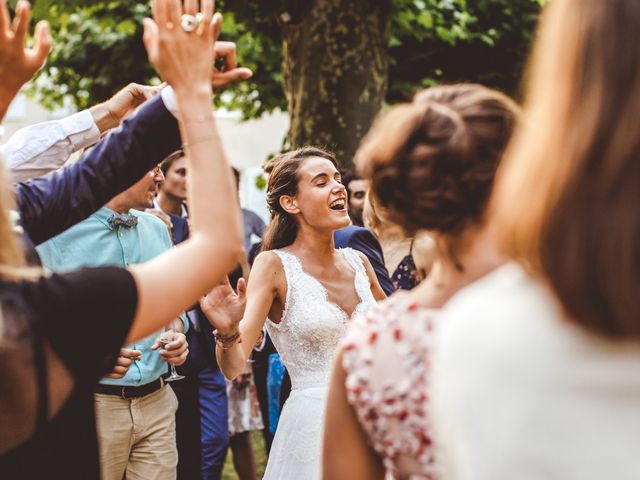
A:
(386, 357)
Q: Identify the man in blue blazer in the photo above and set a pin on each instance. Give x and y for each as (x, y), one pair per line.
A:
(363, 240)
(50, 204)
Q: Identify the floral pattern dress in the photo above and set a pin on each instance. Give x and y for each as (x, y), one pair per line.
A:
(386, 356)
(405, 276)
(243, 406)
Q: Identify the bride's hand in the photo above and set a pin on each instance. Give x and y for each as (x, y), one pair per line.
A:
(183, 59)
(224, 308)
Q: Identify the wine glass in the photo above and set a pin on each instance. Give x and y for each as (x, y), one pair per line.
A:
(165, 338)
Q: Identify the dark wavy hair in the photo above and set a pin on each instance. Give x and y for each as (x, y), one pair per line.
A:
(431, 163)
(283, 180)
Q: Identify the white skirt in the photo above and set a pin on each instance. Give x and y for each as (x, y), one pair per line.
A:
(296, 452)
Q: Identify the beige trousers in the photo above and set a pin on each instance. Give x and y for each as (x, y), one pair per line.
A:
(137, 437)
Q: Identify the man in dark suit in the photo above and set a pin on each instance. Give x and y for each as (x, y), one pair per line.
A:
(363, 240)
(50, 204)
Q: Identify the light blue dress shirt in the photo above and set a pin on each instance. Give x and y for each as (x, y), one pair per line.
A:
(93, 243)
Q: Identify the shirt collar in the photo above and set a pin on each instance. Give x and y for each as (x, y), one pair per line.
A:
(183, 213)
(104, 213)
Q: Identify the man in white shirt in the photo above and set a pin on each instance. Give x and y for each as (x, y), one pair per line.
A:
(39, 149)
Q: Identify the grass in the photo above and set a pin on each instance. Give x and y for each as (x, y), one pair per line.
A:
(259, 453)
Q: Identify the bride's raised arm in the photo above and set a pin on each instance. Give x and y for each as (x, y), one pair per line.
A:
(239, 318)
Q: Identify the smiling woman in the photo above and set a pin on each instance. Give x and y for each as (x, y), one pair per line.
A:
(305, 291)
(284, 175)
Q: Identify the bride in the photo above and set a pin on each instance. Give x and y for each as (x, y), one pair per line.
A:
(305, 291)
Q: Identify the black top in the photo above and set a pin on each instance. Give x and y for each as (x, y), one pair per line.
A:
(84, 316)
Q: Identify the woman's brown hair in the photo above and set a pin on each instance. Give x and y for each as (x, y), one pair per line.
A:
(165, 165)
(566, 200)
(431, 163)
(283, 180)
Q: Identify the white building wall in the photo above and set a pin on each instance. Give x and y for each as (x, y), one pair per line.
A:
(247, 144)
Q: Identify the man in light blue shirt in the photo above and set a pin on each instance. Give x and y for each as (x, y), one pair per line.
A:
(135, 413)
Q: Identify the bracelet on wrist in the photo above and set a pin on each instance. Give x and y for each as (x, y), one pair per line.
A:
(225, 342)
(199, 118)
(208, 138)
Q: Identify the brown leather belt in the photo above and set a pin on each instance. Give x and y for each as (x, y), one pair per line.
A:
(130, 392)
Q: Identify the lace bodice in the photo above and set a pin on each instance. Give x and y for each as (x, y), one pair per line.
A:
(311, 326)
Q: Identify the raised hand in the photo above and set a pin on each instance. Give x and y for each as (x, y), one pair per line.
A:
(183, 59)
(17, 63)
(230, 72)
(129, 98)
(111, 113)
(224, 308)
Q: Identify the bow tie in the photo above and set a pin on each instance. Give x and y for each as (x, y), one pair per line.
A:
(125, 219)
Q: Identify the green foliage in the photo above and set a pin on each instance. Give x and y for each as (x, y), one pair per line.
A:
(434, 41)
(97, 50)
(261, 182)
(99, 47)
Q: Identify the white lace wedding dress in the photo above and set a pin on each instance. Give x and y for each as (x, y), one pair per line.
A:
(306, 338)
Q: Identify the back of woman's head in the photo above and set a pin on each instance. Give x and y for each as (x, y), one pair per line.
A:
(567, 201)
(431, 163)
(283, 180)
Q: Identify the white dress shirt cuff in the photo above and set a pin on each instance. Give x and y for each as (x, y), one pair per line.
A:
(169, 100)
(81, 129)
(38, 149)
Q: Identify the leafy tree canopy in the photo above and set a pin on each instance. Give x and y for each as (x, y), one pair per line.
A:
(98, 47)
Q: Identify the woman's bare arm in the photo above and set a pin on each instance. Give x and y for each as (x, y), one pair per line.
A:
(346, 454)
(265, 280)
(168, 284)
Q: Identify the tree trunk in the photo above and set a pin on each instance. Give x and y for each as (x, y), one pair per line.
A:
(335, 66)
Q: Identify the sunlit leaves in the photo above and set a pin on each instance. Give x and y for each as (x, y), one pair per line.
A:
(98, 46)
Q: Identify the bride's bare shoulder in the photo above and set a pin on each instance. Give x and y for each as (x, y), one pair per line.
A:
(268, 267)
(268, 260)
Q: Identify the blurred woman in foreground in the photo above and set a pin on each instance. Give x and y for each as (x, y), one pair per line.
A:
(431, 166)
(538, 369)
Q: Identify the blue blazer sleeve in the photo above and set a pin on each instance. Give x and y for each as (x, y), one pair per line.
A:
(50, 204)
(363, 240)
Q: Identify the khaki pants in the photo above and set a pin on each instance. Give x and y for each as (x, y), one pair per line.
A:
(137, 437)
